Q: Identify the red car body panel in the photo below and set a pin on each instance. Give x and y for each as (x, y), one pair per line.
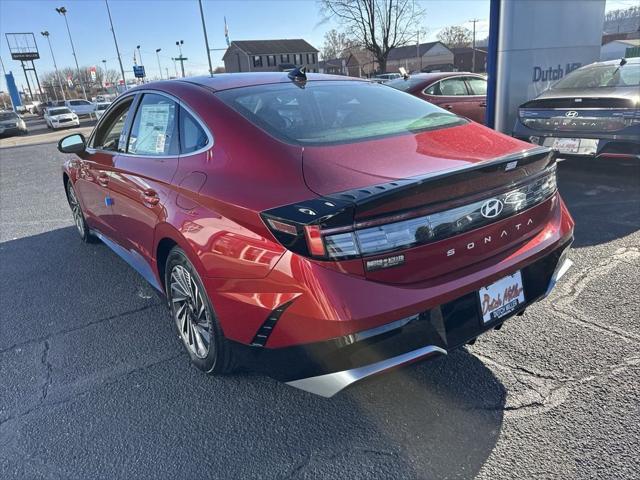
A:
(210, 204)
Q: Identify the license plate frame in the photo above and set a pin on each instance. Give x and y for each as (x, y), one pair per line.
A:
(501, 298)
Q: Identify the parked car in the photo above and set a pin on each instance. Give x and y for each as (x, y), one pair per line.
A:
(460, 92)
(593, 111)
(80, 107)
(320, 234)
(60, 117)
(385, 77)
(40, 109)
(11, 124)
(101, 107)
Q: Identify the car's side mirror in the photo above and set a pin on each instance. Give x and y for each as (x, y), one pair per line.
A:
(74, 143)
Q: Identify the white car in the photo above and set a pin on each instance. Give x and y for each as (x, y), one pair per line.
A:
(60, 117)
(101, 107)
(81, 107)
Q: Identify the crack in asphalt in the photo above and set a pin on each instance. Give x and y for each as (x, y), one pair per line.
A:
(53, 335)
(48, 370)
(109, 381)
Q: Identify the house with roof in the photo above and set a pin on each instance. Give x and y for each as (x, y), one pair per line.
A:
(425, 57)
(463, 59)
(270, 55)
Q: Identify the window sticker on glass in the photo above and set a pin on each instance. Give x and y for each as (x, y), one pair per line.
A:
(153, 126)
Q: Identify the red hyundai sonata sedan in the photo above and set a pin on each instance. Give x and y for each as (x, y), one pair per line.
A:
(319, 229)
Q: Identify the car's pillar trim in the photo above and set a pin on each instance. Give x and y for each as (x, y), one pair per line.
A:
(331, 383)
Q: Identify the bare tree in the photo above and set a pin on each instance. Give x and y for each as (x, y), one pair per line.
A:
(455, 36)
(621, 14)
(377, 25)
(335, 44)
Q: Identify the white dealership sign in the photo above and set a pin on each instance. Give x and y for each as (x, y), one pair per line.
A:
(539, 42)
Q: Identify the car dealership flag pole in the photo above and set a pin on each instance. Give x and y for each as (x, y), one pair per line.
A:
(124, 81)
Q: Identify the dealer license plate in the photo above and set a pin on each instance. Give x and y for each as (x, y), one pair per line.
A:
(501, 298)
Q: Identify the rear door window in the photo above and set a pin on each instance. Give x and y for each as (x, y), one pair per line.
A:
(192, 135)
(478, 86)
(154, 129)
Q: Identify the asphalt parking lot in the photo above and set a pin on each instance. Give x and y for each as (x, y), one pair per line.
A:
(94, 382)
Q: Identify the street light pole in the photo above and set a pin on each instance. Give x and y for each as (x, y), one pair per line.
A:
(159, 66)
(104, 80)
(181, 59)
(46, 35)
(141, 63)
(63, 11)
(124, 81)
(206, 39)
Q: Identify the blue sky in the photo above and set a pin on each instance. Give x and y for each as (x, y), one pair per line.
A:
(159, 23)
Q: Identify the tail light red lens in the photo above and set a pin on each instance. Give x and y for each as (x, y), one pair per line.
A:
(314, 240)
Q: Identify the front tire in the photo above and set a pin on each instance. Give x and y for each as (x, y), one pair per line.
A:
(78, 216)
(194, 316)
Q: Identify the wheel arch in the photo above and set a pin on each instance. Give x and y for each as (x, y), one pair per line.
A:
(167, 237)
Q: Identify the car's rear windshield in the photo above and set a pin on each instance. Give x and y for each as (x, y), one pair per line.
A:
(8, 115)
(328, 112)
(58, 111)
(102, 106)
(597, 76)
(405, 84)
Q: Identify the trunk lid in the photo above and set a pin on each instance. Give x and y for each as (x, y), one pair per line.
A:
(437, 182)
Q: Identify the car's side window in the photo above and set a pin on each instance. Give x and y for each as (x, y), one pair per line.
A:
(478, 86)
(433, 89)
(154, 130)
(192, 136)
(111, 128)
(451, 87)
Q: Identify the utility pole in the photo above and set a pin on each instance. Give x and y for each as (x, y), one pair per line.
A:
(206, 39)
(181, 59)
(160, 67)
(63, 11)
(473, 46)
(124, 81)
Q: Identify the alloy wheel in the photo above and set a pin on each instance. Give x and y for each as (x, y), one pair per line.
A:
(76, 211)
(190, 312)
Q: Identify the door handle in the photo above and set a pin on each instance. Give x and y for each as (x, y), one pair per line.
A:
(150, 197)
(103, 179)
(483, 104)
(448, 107)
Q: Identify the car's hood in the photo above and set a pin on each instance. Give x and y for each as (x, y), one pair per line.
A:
(336, 168)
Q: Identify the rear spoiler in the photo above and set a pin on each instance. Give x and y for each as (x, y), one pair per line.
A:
(457, 182)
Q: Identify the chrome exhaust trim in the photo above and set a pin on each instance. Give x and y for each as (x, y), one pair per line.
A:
(331, 383)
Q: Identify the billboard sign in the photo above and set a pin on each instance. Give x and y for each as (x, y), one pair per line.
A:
(138, 71)
(92, 73)
(22, 46)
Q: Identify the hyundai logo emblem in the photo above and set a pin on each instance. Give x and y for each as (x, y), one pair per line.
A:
(491, 208)
(571, 114)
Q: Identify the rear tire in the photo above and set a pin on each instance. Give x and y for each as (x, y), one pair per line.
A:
(78, 216)
(195, 319)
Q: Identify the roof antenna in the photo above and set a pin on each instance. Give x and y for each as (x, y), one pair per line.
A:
(298, 74)
(404, 73)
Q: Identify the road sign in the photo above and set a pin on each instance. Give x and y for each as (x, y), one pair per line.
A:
(138, 71)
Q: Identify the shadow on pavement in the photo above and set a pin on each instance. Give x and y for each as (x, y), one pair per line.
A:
(97, 386)
(603, 197)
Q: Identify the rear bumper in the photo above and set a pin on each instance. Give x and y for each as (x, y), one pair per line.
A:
(325, 368)
(624, 144)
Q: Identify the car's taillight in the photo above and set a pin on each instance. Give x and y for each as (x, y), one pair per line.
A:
(324, 230)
